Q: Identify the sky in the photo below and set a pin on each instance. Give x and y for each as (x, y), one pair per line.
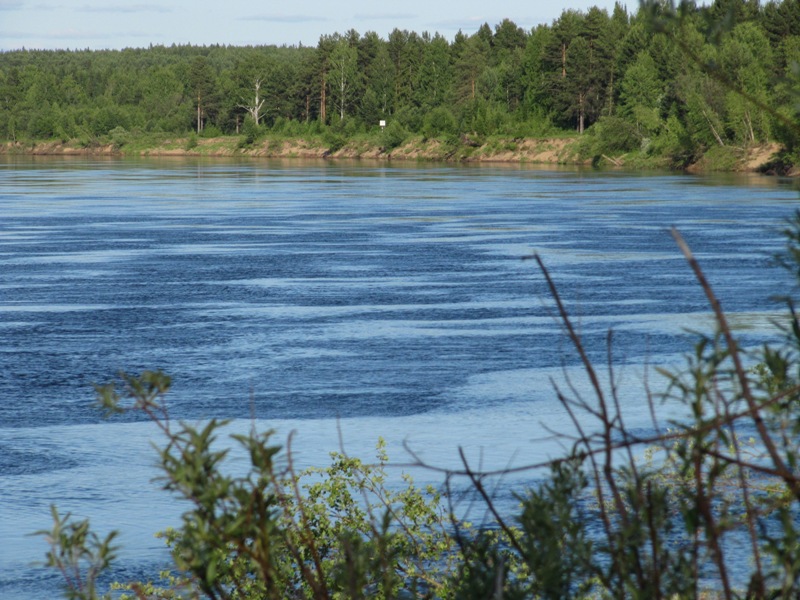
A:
(115, 24)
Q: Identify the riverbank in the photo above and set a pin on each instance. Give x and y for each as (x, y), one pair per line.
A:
(561, 151)
(545, 151)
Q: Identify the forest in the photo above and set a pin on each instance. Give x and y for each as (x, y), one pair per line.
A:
(619, 77)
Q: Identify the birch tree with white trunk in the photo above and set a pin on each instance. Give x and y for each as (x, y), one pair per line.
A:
(344, 69)
(254, 109)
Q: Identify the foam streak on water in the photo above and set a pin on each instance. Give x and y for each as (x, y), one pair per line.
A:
(390, 298)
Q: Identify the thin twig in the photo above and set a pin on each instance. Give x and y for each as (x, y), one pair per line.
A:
(478, 485)
(754, 409)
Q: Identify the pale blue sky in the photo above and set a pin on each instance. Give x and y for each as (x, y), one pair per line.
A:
(98, 24)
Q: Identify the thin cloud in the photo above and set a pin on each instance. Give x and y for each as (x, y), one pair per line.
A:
(461, 23)
(69, 34)
(15, 35)
(10, 4)
(286, 18)
(77, 34)
(386, 16)
(125, 8)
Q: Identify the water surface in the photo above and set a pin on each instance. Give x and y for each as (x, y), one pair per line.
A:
(391, 300)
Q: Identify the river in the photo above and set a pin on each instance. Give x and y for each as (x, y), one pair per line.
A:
(336, 299)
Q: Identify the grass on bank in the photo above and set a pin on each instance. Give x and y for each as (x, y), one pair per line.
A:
(603, 145)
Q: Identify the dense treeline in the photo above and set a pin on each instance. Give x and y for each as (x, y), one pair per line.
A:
(613, 72)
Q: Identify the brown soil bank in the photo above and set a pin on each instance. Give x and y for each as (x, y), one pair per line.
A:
(563, 151)
(553, 151)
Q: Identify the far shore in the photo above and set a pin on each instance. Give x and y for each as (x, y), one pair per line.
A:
(553, 151)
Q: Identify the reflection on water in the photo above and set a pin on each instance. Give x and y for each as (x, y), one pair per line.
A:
(391, 297)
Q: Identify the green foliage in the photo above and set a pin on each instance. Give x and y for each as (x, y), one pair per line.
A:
(641, 95)
(612, 136)
(251, 132)
(335, 140)
(325, 532)
(119, 137)
(393, 135)
(79, 554)
(438, 122)
(721, 158)
(191, 141)
(672, 141)
(211, 131)
(555, 546)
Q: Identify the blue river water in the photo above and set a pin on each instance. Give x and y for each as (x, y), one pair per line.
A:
(336, 299)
